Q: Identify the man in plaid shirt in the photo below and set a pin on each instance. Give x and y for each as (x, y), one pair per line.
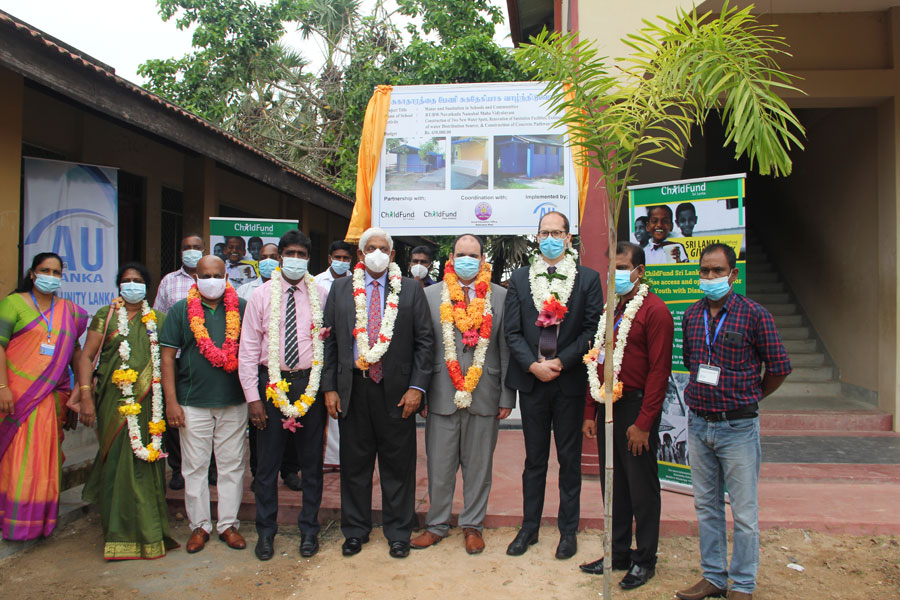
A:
(727, 338)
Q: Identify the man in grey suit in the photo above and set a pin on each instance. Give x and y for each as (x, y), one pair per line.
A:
(457, 435)
(376, 394)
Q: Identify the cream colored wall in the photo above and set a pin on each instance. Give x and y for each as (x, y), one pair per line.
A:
(10, 173)
(608, 21)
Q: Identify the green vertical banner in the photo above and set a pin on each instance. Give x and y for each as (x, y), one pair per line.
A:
(673, 222)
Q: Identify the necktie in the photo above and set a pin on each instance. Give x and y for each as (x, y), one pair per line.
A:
(547, 345)
(291, 351)
(374, 327)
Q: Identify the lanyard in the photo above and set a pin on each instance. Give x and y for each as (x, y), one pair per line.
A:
(716, 334)
(49, 321)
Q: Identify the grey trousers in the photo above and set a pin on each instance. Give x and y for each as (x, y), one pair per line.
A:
(453, 441)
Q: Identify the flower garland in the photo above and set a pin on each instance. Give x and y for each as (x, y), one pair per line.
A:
(594, 357)
(551, 292)
(277, 388)
(474, 322)
(367, 355)
(125, 377)
(226, 356)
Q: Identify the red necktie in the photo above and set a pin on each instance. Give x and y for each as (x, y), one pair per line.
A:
(374, 327)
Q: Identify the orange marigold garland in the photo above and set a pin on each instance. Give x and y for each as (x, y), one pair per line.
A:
(225, 357)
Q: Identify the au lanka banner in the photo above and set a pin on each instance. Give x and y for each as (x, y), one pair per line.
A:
(72, 209)
(673, 222)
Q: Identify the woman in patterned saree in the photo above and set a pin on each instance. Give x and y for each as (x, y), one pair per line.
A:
(38, 341)
(127, 482)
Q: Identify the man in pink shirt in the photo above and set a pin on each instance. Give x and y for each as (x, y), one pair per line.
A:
(296, 357)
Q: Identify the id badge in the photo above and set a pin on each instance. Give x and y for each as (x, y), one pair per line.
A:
(708, 374)
(48, 349)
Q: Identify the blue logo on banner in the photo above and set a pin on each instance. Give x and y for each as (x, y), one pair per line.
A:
(543, 208)
(63, 235)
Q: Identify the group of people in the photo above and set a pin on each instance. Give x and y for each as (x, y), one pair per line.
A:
(369, 348)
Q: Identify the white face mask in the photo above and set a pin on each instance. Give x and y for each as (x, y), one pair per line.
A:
(190, 258)
(377, 261)
(211, 288)
(419, 271)
(293, 267)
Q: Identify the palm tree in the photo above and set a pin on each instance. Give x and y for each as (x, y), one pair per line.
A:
(679, 71)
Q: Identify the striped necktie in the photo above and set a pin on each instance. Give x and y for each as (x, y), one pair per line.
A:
(291, 351)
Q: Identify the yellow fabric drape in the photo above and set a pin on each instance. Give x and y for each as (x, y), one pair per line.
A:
(582, 173)
(369, 156)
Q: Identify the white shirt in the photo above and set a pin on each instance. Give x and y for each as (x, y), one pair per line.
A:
(661, 255)
(325, 279)
(246, 290)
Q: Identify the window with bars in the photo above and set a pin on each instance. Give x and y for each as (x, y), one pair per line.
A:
(170, 233)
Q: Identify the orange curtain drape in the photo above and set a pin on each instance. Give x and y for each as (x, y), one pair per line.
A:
(582, 173)
(369, 156)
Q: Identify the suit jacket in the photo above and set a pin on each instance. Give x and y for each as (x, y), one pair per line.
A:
(491, 394)
(575, 332)
(407, 361)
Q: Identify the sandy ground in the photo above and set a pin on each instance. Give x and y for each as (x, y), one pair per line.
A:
(70, 565)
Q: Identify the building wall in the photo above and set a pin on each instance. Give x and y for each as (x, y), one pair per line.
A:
(10, 174)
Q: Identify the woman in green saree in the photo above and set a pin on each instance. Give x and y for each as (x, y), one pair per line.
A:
(127, 482)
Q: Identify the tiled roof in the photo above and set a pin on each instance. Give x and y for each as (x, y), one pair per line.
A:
(95, 67)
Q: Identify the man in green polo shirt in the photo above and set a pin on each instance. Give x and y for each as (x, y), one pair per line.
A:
(204, 397)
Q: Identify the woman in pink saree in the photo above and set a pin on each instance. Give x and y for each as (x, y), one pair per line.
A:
(38, 341)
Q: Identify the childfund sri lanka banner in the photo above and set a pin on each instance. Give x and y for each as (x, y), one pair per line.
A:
(72, 210)
(239, 241)
(674, 221)
(484, 158)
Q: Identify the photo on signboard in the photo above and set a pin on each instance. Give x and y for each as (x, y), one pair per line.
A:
(678, 232)
(468, 163)
(673, 447)
(239, 242)
(414, 164)
(535, 162)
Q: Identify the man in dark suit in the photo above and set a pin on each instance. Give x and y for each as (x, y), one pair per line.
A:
(549, 329)
(377, 367)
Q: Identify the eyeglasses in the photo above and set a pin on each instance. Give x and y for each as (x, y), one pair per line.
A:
(558, 234)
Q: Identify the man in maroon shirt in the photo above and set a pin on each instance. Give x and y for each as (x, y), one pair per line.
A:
(646, 367)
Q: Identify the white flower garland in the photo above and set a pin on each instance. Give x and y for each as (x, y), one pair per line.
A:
(277, 388)
(593, 358)
(543, 288)
(463, 398)
(131, 409)
(374, 354)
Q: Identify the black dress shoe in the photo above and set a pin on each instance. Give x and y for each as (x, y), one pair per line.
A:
(636, 577)
(399, 549)
(352, 545)
(520, 544)
(177, 481)
(292, 481)
(568, 546)
(596, 567)
(309, 545)
(265, 547)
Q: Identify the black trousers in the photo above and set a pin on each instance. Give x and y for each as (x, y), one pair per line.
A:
(636, 495)
(172, 444)
(290, 462)
(546, 408)
(307, 443)
(373, 427)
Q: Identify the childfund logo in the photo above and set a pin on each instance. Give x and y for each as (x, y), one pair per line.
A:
(402, 215)
(439, 214)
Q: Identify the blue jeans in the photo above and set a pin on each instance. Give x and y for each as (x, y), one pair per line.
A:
(726, 454)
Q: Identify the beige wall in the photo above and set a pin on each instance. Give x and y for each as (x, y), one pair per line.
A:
(10, 173)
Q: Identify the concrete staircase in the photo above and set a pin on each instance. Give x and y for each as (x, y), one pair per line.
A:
(814, 386)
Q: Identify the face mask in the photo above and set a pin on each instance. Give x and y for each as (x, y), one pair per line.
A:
(211, 288)
(190, 258)
(466, 266)
(267, 267)
(293, 267)
(133, 291)
(377, 261)
(552, 247)
(715, 289)
(47, 283)
(419, 271)
(340, 267)
(624, 284)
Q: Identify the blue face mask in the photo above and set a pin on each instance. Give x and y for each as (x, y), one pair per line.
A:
(340, 267)
(624, 284)
(47, 283)
(132, 291)
(466, 266)
(715, 289)
(267, 266)
(552, 247)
